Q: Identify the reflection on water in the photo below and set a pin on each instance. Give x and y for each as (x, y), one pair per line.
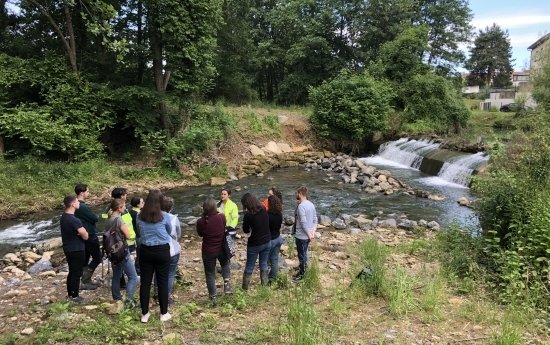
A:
(331, 198)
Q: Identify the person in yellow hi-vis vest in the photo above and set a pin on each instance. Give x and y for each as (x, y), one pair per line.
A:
(122, 193)
(230, 210)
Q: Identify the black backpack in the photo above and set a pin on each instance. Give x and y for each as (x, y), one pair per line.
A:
(114, 244)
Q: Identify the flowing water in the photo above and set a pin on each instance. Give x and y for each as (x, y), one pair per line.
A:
(330, 197)
(427, 156)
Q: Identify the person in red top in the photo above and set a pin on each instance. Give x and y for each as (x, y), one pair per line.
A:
(211, 227)
(272, 191)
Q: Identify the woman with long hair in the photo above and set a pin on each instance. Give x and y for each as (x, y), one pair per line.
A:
(211, 227)
(275, 213)
(154, 228)
(255, 222)
(272, 191)
(117, 208)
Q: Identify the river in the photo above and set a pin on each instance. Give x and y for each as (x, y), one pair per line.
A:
(331, 198)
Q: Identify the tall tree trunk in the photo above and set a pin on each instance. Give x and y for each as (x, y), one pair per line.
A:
(72, 41)
(2, 147)
(161, 77)
(68, 43)
(141, 58)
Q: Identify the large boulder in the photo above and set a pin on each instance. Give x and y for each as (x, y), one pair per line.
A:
(284, 147)
(434, 225)
(324, 220)
(218, 181)
(272, 147)
(389, 223)
(463, 201)
(41, 266)
(256, 151)
(338, 224)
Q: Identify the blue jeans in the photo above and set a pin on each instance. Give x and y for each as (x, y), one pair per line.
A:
(274, 256)
(301, 247)
(172, 271)
(128, 267)
(252, 254)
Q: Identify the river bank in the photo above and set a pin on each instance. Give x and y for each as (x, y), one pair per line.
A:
(417, 300)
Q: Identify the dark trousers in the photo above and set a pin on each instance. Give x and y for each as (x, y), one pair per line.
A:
(154, 260)
(76, 262)
(301, 248)
(92, 250)
(209, 262)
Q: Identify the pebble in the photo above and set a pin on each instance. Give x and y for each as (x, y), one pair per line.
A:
(90, 307)
(27, 331)
(47, 274)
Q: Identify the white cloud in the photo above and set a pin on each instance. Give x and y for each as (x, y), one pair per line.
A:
(523, 41)
(512, 22)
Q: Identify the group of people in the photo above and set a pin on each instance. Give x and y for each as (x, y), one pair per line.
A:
(152, 233)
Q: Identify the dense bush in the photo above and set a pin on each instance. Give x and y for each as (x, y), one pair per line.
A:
(515, 215)
(433, 98)
(350, 107)
(209, 127)
(47, 109)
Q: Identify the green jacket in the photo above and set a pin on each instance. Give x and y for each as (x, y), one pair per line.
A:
(231, 212)
(88, 218)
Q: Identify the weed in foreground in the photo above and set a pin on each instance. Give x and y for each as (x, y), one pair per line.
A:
(398, 291)
(432, 297)
(312, 277)
(301, 326)
(373, 259)
(508, 335)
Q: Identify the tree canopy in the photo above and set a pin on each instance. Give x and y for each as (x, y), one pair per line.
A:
(137, 67)
(490, 62)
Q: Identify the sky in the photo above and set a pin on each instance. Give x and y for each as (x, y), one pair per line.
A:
(525, 20)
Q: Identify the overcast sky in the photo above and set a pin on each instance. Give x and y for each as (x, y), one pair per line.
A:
(525, 20)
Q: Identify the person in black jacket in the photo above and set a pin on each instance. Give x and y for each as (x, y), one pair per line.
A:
(255, 222)
(275, 213)
(89, 220)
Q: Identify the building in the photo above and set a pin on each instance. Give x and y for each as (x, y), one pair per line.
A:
(520, 79)
(539, 52)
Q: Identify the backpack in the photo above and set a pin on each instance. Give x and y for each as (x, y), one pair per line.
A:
(114, 244)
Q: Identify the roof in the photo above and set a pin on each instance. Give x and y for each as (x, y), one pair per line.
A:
(539, 41)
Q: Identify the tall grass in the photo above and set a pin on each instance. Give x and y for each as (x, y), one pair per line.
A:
(373, 258)
(301, 326)
(398, 290)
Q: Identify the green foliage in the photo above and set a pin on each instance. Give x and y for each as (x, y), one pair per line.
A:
(373, 260)
(350, 107)
(52, 110)
(516, 217)
(459, 252)
(541, 82)
(301, 325)
(209, 127)
(490, 58)
(431, 97)
(398, 291)
(401, 58)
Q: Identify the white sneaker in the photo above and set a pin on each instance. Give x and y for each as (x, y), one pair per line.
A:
(145, 318)
(165, 317)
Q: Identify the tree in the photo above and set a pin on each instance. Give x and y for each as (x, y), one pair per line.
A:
(541, 83)
(449, 25)
(351, 107)
(490, 59)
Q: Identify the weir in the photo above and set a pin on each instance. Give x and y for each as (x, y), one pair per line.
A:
(427, 156)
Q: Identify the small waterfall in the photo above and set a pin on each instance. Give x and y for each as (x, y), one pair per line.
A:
(407, 152)
(459, 169)
(426, 155)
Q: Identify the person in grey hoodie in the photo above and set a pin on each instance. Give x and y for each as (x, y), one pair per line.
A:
(305, 226)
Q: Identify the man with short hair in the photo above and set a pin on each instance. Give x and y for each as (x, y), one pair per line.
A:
(89, 220)
(305, 226)
(73, 236)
